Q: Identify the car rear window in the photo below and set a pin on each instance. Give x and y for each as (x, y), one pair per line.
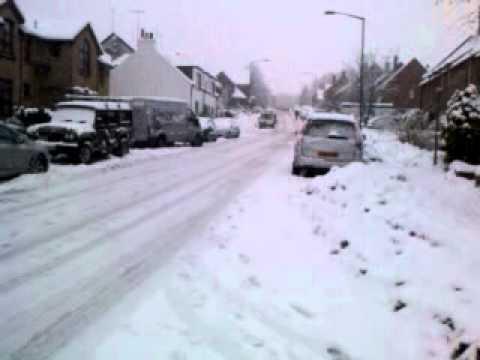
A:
(268, 116)
(330, 129)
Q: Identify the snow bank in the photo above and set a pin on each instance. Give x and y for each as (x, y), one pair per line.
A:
(372, 261)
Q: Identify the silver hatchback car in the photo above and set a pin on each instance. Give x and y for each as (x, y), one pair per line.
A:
(20, 155)
(328, 139)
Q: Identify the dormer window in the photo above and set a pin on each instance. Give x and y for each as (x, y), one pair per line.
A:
(84, 67)
(6, 38)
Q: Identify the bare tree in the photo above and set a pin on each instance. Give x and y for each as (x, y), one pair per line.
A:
(465, 14)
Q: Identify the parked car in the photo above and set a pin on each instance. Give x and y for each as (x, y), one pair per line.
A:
(328, 139)
(164, 121)
(268, 119)
(208, 129)
(18, 154)
(226, 128)
(83, 129)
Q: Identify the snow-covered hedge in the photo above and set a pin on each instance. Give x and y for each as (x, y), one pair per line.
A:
(461, 133)
(417, 129)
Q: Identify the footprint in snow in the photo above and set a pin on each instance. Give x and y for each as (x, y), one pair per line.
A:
(302, 311)
(177, 355)
(363, 272)
(253, 282)
(337, 354)
(244, 258)
(185, 276)
(254, 341)
(399, 305)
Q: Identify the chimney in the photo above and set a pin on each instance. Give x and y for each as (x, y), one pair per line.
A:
(395, 62)
(387, 66)
(147, 41)
(35, 24)
(334, 79)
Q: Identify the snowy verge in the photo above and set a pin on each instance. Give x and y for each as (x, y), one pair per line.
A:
(371, 261)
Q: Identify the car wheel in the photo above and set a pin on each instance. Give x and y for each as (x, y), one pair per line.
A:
(295, 170)
(38, 164)
(197, 141)
(123, 149)
(161, 142)
(85, 155)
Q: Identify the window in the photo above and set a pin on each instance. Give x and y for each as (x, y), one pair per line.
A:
(6, 136)
(6, 98)
(55, 50)
(27, 91)
(411, 94)
(28, 49)
(198, 82)
(6, 38)
(84, 67)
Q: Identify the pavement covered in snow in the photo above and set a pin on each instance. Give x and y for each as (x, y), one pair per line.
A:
(371, 261)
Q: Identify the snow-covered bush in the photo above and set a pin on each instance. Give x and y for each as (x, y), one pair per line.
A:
(461, 133)
(417, 129)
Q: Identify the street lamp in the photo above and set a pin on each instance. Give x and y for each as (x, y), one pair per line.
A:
(363, 20)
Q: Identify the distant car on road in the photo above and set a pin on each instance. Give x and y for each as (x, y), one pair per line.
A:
(208, 129)
(19, 155)
(226, 128)
(268, 119)
(327, 140)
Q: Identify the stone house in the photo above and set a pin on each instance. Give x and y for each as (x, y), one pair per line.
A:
(42, 60)
(204, 92)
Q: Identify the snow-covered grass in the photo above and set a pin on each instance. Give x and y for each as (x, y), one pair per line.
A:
(371, 261)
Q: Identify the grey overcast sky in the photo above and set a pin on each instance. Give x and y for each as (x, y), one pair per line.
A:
(294, 34)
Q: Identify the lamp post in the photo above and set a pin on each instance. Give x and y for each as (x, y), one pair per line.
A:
(362, 55)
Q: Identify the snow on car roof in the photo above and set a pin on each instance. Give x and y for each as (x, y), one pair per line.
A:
(96, 105)
(331, 116)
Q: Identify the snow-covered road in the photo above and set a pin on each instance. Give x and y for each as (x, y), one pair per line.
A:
(228, 256)
(74, 242)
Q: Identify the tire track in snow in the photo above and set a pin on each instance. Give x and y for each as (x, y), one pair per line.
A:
(110, 212)
(30, 273)
(101, 172)
(122, 276)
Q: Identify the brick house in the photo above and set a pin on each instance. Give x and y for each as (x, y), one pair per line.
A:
(41, 61)
(400, 87)
(456, 70)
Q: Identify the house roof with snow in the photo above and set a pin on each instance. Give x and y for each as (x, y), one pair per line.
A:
(115, 37)
(14, 8)
(467, 49)
(238, 94)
